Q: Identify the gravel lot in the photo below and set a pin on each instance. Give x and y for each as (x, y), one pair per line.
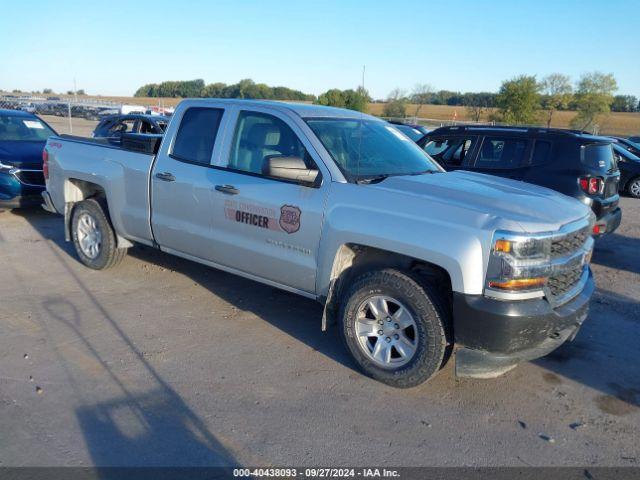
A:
(162, 361)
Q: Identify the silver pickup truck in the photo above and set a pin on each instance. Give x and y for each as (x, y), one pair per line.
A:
(413, 263)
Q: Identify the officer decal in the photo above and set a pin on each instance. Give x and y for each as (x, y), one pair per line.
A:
(290, 218)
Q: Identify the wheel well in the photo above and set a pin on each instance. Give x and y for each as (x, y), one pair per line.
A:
(76, 190)
(353, 259)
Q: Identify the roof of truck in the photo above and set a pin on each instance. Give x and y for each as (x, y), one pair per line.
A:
(305, 110)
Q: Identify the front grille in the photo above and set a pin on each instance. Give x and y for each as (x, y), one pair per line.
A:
(31, 177)
(569, 243)
(561, 282)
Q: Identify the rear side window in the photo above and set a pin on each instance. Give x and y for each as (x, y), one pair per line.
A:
(598, 156)
(501, 153)
(541, 152)
(197, 135)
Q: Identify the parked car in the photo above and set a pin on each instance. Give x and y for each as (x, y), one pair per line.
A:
(629, 166)
(627, 145)
(114, 126)
(414, 131)
(22, 138)
(571, 162)
(336, 206)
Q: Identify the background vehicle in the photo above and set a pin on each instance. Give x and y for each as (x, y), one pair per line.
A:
(627, 145)
(113, 127)
(576, 164)
(414, 131)
(629, 166)
(131, 109)
(340, 207)
(22, 138)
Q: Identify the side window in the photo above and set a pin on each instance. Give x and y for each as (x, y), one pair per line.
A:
(259, 136)
(123, 126)
(450, 151)
(435, 146)
(541, 152)
(197, 135)
(147, 127)
(501, 153)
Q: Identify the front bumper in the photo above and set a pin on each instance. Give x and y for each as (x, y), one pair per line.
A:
(610, 221)
(15, 194)
(495, 335)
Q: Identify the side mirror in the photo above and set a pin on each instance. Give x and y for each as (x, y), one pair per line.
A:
(288, 168)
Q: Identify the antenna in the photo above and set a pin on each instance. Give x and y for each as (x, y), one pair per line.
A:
(360, 128)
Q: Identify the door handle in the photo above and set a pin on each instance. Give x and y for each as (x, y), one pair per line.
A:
(166, 177)
(228, 189)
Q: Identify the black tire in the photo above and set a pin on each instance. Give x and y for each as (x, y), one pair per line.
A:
(426, 306)
(633, 187)
(108, 254)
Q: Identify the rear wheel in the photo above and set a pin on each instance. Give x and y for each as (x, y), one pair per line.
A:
(93, 236)
(394, 327)
(633, 187)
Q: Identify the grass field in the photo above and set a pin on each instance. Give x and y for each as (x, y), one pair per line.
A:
(614, 123)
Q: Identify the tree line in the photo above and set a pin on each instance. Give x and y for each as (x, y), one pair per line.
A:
(525, 100)
(246, 88)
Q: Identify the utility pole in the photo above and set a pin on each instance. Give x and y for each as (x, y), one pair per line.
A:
(69, 111)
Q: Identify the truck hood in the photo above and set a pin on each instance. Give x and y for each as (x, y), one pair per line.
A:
(533, 207)
(22, 154)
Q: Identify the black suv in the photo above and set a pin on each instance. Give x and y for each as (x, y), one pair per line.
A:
(571, 162)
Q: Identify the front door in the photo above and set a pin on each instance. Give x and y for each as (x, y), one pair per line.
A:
(502, 156)
(264, 226)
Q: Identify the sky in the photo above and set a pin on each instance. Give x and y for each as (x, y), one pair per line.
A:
(113, 47)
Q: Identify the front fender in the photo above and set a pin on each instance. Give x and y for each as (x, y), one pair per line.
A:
(447, 236)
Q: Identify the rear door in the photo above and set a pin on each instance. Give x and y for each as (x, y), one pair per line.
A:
(265, 226)
(182, 182)
(503, 156)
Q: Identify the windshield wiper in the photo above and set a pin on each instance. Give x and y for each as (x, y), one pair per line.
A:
(372, 179)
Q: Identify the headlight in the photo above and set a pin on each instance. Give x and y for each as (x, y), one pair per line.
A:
(519, 263)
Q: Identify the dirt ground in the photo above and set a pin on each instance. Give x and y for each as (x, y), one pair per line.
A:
(162, 361)
(79, 126)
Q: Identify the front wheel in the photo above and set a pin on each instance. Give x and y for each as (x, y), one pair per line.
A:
(394, 327)
(633, 188)
(93, 236)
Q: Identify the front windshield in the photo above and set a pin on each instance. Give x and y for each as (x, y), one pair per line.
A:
(370, 148)
(23, 129)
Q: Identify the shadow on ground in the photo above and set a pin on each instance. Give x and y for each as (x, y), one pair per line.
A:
(602, 357)
(609, 250)
(146, 424)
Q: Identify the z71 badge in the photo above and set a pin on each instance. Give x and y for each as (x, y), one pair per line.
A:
(290, 218)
